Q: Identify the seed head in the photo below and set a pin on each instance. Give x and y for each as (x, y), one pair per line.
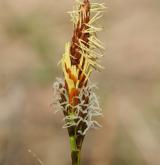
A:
(75, 95)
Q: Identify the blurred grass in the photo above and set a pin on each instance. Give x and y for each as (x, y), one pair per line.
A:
(32, 31)
(125, 152)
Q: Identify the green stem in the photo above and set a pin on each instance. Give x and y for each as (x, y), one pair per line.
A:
(75, 152)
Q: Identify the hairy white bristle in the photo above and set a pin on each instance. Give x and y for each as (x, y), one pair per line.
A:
(92, 109)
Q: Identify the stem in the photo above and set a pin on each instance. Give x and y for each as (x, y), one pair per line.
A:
(75, 153)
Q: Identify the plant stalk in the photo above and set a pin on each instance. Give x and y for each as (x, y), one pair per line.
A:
(75, 152)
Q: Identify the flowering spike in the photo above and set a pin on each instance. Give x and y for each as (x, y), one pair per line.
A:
(75, 95)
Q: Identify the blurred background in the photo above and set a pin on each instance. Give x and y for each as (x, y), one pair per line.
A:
(32, 38)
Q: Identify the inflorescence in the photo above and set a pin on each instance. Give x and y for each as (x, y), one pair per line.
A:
(74, 95)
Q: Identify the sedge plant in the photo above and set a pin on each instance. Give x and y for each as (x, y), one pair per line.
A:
(74, 93)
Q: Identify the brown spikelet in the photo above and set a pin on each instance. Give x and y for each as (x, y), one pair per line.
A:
(79, 32)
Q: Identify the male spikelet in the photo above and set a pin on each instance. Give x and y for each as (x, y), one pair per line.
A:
(74, 94)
